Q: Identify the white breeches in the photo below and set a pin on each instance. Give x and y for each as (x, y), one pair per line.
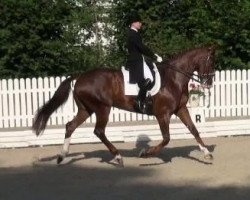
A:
(147, 72)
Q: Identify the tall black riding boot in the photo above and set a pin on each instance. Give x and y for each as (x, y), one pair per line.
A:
(144, 86)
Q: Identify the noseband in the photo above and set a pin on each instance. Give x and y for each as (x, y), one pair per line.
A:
(202, 79)
(206, 76)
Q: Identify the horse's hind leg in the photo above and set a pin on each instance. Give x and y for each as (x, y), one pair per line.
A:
(81, 116)
(102, 116)
(184, 116)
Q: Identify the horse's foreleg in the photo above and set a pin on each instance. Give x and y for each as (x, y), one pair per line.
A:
(81, 116)
(185, 117)
(102, 116)
(164, 126)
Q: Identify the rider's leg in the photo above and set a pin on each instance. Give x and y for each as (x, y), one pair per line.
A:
(144, 86)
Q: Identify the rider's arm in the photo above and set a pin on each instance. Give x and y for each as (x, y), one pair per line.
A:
(143, 48)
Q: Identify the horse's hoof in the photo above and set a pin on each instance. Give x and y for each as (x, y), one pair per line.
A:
(117, 161)
(209, 156)
(142, 153)
(59, 159)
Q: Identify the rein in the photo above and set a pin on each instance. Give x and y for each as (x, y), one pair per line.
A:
(187, 74)
(194, 77)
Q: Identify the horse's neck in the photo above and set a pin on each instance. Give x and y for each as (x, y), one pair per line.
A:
(177, 76)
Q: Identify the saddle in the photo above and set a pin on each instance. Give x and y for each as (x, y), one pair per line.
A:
(133, 89)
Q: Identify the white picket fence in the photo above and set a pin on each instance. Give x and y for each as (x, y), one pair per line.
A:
(20, 98)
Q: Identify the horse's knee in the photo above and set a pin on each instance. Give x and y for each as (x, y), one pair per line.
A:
(98, 133)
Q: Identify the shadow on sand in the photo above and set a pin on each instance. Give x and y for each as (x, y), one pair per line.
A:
(166, 155)
(93, 183)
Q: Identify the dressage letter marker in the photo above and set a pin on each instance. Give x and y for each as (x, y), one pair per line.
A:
(197, 114)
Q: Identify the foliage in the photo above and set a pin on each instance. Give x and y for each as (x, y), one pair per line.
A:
(59, 37)
(40, 38)
(171, 26)
(30, 37)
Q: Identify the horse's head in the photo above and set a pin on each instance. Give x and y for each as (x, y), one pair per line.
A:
(205, 65)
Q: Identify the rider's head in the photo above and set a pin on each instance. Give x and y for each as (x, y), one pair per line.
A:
(135, 22)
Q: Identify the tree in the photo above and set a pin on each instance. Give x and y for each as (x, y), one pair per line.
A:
(30, 37)
(171, 26)
(60, 37)
(231, 29)
(44, 38)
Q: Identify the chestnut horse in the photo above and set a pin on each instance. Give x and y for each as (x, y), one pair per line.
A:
(96, 91)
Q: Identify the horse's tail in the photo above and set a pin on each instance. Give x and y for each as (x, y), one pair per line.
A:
(59, 98)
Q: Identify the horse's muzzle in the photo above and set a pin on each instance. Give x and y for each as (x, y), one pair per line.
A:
(206, 86)
(207, 80)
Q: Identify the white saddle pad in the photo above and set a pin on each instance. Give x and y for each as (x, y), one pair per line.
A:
(133, 89)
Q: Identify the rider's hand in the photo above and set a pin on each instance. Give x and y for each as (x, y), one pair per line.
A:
(158, 58)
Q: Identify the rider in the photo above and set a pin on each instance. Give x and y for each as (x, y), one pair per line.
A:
(139, 71)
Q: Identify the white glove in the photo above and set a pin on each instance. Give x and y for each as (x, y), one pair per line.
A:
(158, 58)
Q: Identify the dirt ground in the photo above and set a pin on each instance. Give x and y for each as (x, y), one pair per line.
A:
(178, 172)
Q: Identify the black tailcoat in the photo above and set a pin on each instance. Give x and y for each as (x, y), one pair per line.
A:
(135, 60)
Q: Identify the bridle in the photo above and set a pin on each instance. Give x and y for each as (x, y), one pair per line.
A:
(207, 76)
(195, 77)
